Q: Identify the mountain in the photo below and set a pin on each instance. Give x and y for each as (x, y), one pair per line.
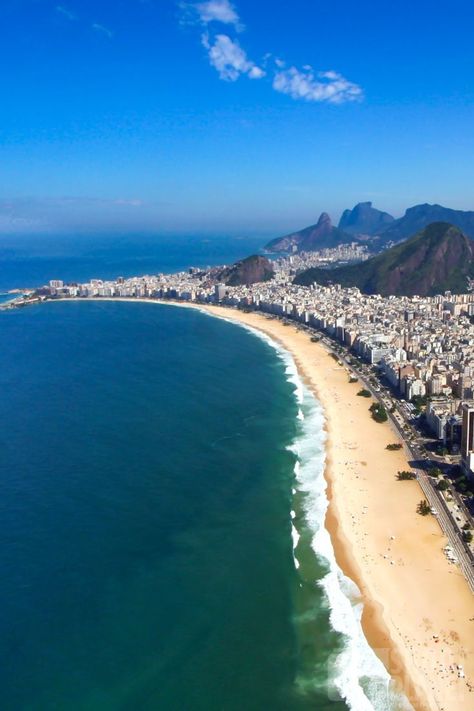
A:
(312, 238)
(248, 271)
(419, 216)
(364, 219)
(379, 228)
(438, 258)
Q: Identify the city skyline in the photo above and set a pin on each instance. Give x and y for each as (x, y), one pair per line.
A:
(225, 117)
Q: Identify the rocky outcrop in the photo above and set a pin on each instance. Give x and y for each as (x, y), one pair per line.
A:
(319, 236)
(364, 219)
(251, 270)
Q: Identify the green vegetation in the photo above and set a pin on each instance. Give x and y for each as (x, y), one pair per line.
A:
(353, 379)
(442, 485)
(394, 447)
(423, 508)
(364, 393)
(435, 472)
(419, 402)
(315, 339)
(412, 267)
(461, 484)
(467, 536)
(406, 476)
(379, 413)
(335, 356)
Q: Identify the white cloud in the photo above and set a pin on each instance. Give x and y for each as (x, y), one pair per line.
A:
(102, 30)
(256, 72)
(66, 13)
(210, 11)
(229, 59)
(217, 11)
(329, 87)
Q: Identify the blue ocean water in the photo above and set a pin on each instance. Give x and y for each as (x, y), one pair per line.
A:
(32, 260)
(146, 548)
(161, 520)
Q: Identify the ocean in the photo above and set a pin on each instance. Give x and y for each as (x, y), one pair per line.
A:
(162, 511)
(32, 260)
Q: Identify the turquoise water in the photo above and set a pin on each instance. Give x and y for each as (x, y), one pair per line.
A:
(145, 520)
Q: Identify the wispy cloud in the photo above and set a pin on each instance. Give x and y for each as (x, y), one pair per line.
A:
(33, 207)
(68, 14)
(229, 59)
(33, 214)
(102, 30)
(330, 87)
(210, 11)
(218, 11)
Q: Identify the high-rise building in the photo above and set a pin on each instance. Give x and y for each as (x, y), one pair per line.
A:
(56, 284)
(467, 439)
(219, 292)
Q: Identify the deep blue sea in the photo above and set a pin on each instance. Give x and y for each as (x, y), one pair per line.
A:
(162, 507)
(32, 260)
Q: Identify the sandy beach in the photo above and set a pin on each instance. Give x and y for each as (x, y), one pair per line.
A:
(418, 609)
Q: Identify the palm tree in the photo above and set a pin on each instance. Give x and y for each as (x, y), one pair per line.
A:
(423, 508)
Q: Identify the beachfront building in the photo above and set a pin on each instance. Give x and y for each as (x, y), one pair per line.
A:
(467, 440)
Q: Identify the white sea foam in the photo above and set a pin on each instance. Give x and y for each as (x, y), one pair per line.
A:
(358, 674)
(296, 537)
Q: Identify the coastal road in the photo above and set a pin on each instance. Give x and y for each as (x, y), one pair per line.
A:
(448, 526)
(434, 497)
(436, 501)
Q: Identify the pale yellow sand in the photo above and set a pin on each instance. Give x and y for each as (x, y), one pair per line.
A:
(409, 589)
(413, 593)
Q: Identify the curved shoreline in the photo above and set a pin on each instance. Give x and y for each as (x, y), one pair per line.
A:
(400, 617)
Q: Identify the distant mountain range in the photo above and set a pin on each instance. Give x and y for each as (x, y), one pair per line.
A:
(438, 258)
(364, 219)
(312, 238)
(419, 216)
(366, 224)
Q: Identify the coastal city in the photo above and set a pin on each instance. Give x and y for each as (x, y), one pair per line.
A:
(237, 356)
(415, 355)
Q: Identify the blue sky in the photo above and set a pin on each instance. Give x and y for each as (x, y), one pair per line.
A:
(240, 118)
